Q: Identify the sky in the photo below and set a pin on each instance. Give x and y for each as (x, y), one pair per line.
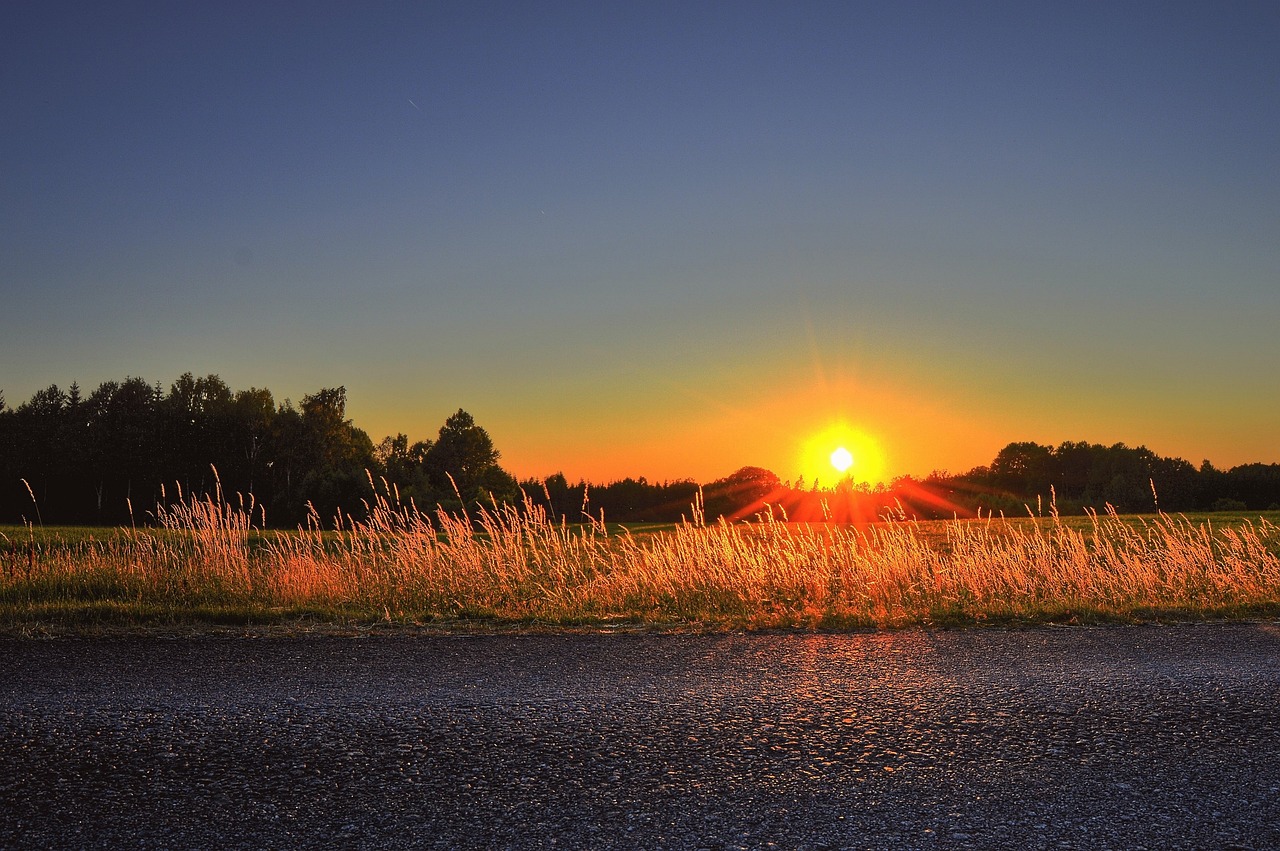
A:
(663, 239)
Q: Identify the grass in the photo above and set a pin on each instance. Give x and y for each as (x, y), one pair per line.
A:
(205, 565)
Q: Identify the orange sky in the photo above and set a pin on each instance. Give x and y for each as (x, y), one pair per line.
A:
(902, 411)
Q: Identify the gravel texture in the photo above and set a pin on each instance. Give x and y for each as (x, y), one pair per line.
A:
(1143, 737)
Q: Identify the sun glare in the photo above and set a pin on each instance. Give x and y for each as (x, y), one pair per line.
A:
(841, 452)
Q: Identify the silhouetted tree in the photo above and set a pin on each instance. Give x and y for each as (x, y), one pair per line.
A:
(336, 455)
(562, 500)
(1213, 484)
(743, 492)
(404, 465)
(197, 425)
(252, 413)
(36, 425)
(463, 457)
(124, 457)
(1256, 485)
(1025, 468)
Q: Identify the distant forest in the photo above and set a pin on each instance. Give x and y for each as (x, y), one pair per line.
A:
(113, 456)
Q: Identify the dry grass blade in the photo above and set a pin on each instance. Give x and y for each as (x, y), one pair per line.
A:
(517, 564)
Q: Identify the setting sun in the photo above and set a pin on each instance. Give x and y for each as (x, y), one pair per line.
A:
(846, 452)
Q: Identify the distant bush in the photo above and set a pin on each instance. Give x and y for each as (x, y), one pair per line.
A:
(1228, 504)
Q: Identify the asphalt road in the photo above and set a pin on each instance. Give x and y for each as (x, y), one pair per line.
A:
(1151, 737)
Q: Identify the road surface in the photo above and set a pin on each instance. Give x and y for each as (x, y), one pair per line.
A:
(1137, 737)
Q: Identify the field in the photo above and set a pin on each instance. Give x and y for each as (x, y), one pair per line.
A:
(203, 564)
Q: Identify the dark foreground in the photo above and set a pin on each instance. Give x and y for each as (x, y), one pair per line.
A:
(1081, 738)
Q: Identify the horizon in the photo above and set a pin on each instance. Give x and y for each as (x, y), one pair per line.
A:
(815, 452)
(662, 242)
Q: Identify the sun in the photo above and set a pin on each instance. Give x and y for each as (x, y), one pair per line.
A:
(841, 452)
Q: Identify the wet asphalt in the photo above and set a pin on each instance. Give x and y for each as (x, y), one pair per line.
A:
(1134, 737)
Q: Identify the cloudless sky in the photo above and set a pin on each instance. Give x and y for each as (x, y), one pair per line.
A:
(661, 239)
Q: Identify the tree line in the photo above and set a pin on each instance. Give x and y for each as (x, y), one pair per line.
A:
(112, 456)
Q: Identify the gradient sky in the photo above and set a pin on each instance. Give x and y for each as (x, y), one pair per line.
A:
(661, 240)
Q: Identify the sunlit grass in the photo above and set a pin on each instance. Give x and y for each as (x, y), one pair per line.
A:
(204, 562)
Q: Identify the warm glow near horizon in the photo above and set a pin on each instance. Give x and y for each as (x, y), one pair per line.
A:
(847, 451)
(789, 421)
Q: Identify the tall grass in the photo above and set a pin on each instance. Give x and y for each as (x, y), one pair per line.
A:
(204, 560)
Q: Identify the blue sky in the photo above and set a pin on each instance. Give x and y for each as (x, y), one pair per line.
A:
(661, 239)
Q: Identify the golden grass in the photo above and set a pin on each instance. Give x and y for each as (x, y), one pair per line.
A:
(205, 561)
